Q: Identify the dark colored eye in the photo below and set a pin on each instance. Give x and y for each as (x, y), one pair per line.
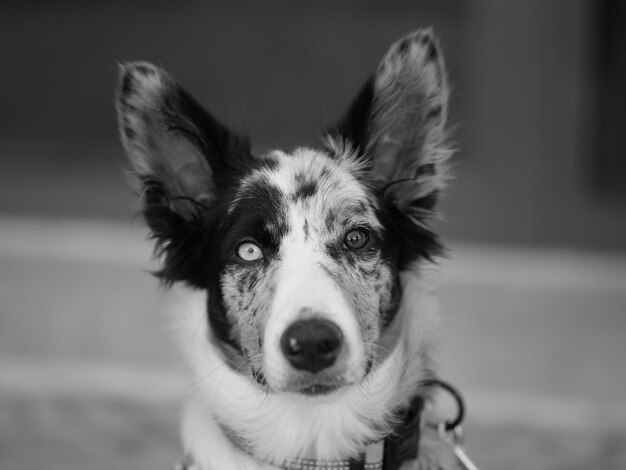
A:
(356, 239)
(248, 251)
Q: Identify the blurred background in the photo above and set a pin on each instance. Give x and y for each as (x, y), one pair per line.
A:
(534, 290)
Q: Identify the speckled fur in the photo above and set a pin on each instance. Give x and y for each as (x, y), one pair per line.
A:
(322, 198)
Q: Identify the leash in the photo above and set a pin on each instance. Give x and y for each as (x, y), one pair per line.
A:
(400, 446)
(450, 431)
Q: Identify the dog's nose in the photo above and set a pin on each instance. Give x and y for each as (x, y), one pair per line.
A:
(312, 345)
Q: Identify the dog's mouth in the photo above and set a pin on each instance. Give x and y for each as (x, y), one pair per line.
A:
(317, 389)
(308, 388)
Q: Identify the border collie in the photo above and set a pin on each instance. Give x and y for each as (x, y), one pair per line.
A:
(308, 324)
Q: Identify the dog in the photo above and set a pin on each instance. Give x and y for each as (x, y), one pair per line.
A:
(308, 325)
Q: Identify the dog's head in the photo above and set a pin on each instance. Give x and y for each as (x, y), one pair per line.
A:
(300, 251)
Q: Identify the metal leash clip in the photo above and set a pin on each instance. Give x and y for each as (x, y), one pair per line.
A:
(454, 439)
(451, 431)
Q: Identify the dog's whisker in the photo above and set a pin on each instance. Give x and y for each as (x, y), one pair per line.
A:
(198, 380)
(236, 370)
(267, 394)
(363, 391)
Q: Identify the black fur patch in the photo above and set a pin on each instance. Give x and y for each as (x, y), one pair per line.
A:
(305, 190)
(306, 229)
(406, 241)
(427, 202)
(404, 45)
(127, 84)
(434, 113)
(355, 125)
(331, 219)
(431, 54)
(425, 169)
(220, 326)
(129, 132)
(259, 215)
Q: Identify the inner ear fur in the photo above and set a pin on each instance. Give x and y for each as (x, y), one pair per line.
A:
(172, 143)
(397, 123)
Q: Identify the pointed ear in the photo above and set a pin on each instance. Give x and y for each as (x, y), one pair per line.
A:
(172, 143)
(180, 157)
(397, 123)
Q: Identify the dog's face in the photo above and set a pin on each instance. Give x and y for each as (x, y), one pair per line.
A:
(306, 261)
(299, 251)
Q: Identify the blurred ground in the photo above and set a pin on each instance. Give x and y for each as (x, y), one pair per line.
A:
(85, 432)
(89, 376)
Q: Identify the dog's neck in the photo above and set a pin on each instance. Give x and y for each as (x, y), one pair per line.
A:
(277, 428)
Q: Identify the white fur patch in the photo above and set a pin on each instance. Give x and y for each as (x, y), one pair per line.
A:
(287, 426)
(303, 285)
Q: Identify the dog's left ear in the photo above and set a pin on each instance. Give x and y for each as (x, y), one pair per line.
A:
(397, 123)
(182, 159)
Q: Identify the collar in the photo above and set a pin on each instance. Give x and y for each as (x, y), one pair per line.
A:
(390, 453)
(403, 443)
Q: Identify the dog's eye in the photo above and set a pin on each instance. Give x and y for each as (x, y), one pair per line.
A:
(248, 251)
(356, 239)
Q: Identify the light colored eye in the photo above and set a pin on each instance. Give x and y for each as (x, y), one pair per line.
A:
(248, 251)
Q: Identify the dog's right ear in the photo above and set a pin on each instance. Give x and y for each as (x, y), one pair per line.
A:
(180, 155)
(397, 124)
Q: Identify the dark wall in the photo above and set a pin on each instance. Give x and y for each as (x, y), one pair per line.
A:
(279, 69)
(524, 99)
